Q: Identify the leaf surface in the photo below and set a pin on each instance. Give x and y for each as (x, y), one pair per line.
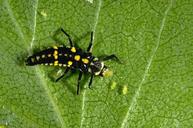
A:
(153, 39)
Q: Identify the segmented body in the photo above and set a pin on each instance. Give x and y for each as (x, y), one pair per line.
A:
(74, 58)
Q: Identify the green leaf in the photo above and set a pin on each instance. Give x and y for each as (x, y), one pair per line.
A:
(152, 88)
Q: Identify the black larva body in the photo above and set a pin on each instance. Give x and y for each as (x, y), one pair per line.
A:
(71, 58)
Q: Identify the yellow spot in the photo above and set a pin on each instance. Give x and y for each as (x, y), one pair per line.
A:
(60, 65)
(55, 54)
(55, 57)
(69, 63)
(55, 47)
(43, 13)
(113, 85)
(55, 63)
(73, 49)
(107, 73)
(49, 55)
(43, 56)
(77, 57)
(84, 60)
(124, 90)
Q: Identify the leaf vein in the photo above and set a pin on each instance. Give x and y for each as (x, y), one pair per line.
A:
(137, 93)
(50, 97)
(94, 30)
(10, 12)
(39, 74)
(34, 25)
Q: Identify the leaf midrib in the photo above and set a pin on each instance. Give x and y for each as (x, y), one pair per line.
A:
(137, 92)
(96, 19)
(39, 74)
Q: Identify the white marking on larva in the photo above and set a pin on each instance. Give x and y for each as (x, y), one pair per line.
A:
(37, 57)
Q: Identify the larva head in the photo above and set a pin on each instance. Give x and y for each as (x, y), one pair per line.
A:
(98, 68)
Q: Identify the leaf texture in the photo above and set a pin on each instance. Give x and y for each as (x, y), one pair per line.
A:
(153, 39)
